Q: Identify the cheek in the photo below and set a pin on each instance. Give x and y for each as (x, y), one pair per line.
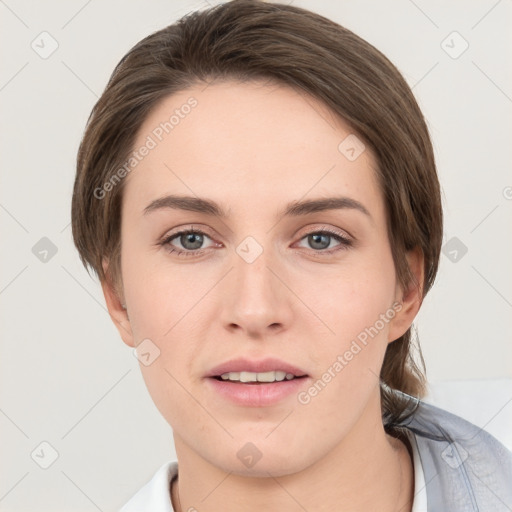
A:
(356, 308)
(351, 299)
(348, 360)
(159, 296)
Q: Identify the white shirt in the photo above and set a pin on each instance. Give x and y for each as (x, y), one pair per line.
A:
(420, 489)
(155, 496)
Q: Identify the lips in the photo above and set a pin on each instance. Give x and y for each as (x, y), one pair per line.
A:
(254, 366)
(244, 391)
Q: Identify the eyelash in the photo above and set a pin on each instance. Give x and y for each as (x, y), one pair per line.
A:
(345, 242)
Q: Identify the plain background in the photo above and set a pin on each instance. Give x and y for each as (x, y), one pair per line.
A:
(66, 377)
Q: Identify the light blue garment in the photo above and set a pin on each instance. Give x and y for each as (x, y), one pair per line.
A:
(465, 468)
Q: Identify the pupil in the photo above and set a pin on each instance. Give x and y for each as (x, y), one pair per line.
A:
(316, 240)
(190, 238)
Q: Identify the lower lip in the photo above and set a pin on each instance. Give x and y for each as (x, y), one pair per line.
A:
(257, 395)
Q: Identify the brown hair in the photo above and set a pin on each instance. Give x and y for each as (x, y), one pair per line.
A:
(249, 40)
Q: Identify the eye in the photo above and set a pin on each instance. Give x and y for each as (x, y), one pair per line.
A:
(321, 240)
(191, 241)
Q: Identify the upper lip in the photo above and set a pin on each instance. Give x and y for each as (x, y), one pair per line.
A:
(255, 366)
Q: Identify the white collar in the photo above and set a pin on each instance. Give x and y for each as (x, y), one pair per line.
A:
(420, 488)
(155, 496)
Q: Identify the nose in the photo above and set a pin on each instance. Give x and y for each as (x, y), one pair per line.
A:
(258, 300)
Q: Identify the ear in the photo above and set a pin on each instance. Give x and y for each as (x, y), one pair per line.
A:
(117, 312)
(411, 298)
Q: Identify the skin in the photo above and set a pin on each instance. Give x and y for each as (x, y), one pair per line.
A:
(253, 148)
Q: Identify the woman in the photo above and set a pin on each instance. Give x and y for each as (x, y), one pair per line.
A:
(256, 189)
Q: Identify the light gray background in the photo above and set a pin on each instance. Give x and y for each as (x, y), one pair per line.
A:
(66, 376)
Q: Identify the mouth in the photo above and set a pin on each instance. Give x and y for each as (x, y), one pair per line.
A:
(252, 371)
(256, 383)
(258, 378)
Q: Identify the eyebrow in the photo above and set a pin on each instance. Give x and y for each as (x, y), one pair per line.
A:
(292, 209)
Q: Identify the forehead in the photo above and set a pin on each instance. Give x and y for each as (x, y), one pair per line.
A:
(248, 141)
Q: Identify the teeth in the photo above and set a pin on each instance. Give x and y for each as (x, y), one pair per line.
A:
(230, 376)
(266, 376)
(271, 376)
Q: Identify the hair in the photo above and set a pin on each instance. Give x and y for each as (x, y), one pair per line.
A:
(250, 40)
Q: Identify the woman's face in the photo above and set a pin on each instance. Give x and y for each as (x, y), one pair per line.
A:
(261, 282)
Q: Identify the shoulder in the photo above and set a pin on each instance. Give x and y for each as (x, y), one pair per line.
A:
(155, 495)
(465, 467)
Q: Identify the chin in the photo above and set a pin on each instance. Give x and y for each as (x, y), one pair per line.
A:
(261, 460)
(265, 469)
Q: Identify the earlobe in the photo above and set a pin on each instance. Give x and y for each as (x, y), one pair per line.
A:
(117, 312)
(411, 298)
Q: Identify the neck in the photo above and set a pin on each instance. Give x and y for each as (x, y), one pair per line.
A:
(367, 470)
